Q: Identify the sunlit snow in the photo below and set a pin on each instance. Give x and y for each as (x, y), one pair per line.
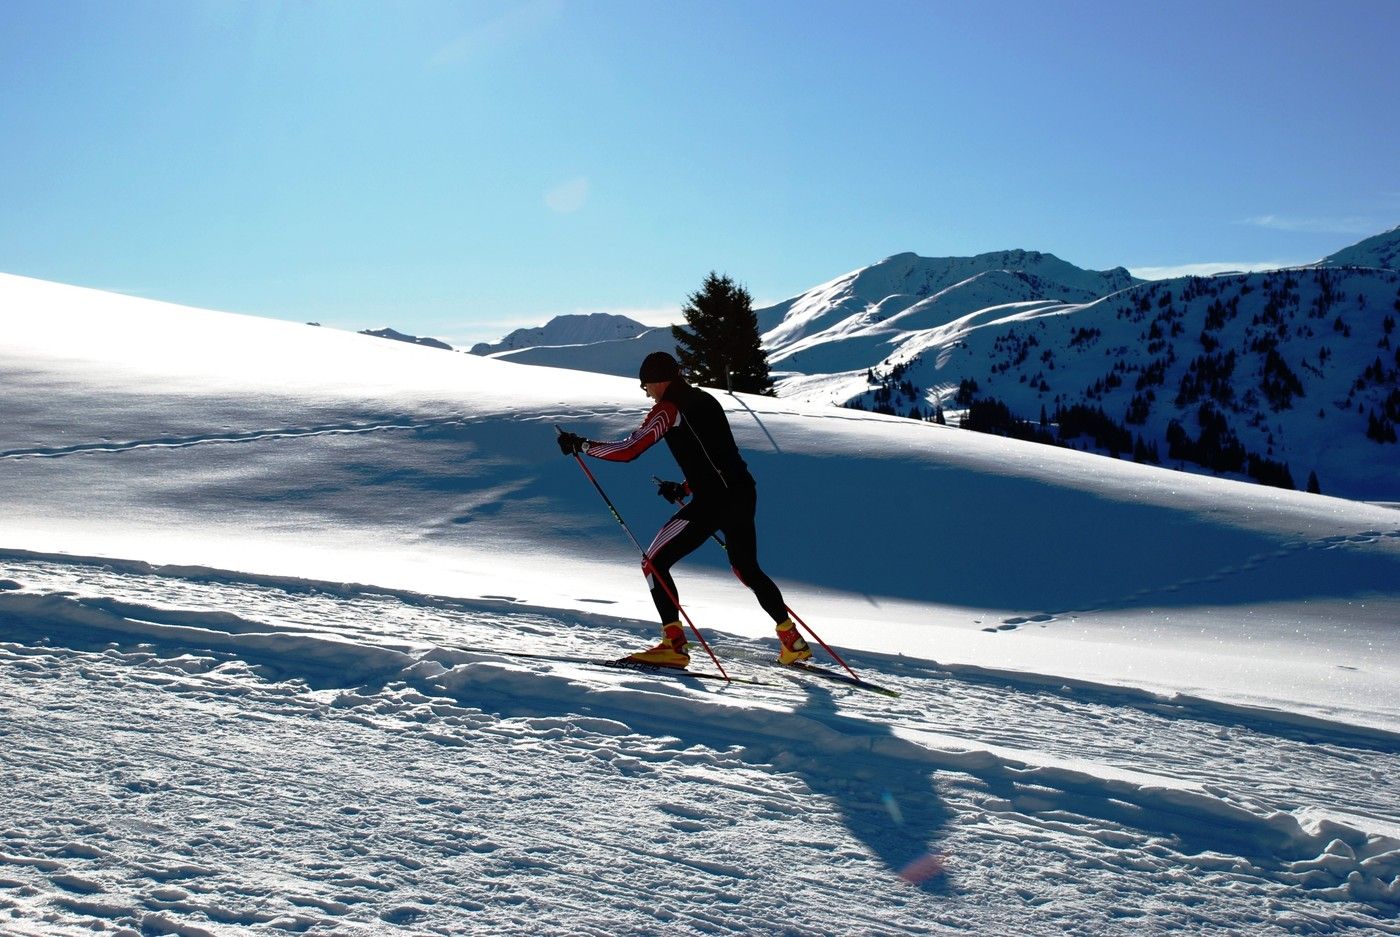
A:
(260, 582)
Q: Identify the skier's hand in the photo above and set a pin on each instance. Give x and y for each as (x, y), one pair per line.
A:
(671, 491)
(571, 443)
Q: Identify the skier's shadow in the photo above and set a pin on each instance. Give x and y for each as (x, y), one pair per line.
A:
(886, 800)
(880, 785)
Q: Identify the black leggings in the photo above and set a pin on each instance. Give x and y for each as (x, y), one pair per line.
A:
(691, 526)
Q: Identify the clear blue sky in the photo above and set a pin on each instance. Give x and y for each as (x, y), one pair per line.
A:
(458, 169)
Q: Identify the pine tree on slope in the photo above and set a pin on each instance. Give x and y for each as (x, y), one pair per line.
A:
(721, 346)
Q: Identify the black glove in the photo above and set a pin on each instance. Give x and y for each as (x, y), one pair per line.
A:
(571, 443)
(671, 491)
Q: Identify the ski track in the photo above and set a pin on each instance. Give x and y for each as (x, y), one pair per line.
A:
(293, 757)
(185, 442)
(1249, 564)
(340, 428)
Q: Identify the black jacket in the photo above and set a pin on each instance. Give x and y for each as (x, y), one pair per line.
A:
(697, 432)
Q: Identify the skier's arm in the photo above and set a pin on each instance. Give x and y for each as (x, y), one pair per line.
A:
(659, 421)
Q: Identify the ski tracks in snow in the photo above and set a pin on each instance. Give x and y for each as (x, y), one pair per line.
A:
(188, 752)
(108, 447)
(1246, 566)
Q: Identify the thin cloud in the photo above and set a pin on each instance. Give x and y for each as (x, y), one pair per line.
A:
(568, 197)
(516, 24)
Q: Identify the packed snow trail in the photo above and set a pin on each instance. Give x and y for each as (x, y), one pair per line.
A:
(263, 756)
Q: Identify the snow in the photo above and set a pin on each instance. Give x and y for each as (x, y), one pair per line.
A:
(897, 283)
(1311, 392)
(1328, 328)
(566, 330)
(1379, 251)
(618, 357)
(260, 582)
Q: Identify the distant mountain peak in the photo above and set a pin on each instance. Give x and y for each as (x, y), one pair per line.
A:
(1381, 251)
(410, 339)
(891, 286)
(573, 329)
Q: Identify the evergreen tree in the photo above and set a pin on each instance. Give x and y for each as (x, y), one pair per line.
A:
(721, 346)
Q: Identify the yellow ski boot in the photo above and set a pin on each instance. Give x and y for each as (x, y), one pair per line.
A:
(671, 652)
(794, 648)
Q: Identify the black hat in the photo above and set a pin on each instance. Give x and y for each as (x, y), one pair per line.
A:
(658, 366)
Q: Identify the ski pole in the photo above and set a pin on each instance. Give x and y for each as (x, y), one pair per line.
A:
(646, 560)
(816, 637)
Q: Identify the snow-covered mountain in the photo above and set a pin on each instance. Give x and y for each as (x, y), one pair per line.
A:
(1285, 377)
(873, 334)
(618, 357)
(397, 336)
(1300, 367)
(851, 322)
(910, 286)
(1382, 251)
(566, 330)
(263, 588)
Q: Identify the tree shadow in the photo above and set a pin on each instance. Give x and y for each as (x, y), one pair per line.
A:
(757, 420)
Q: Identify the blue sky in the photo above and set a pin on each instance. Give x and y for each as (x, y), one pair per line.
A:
(460, 169)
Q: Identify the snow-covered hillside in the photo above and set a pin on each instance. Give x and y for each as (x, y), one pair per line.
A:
(893, 286)
(397, 336)
(566, 330)
(875, 334)
(1381, 251)
(618, 357)
(891, 337)
(1280, 376)
(260, 584)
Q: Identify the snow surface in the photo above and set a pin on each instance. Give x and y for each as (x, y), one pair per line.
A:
(619, 357)
(398, 336)
(1312, 363)
(1381, 251)
(895, 284)
(1331, 330)
(566, 330)
(257, 581)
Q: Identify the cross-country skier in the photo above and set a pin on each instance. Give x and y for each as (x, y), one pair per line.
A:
(723, 497)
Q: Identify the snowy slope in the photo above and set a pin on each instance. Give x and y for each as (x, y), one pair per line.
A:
(869, 337)
(890, 287)
(566, 330)
(888, 337)
(1380, 251)
(1299, 366)
(256, 579)
(398, 336)
(618, 357)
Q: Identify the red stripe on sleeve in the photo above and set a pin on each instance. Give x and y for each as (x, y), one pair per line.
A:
(658, 423)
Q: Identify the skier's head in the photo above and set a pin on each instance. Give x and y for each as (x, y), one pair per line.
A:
(657, 372)
(658, 366)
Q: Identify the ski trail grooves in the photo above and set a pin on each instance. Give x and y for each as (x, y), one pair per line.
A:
(1247, 565)
(184, 442)
(334, 740)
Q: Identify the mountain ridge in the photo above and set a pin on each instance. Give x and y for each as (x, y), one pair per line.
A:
(572, 329)
(1279, 376)
(891, 337)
